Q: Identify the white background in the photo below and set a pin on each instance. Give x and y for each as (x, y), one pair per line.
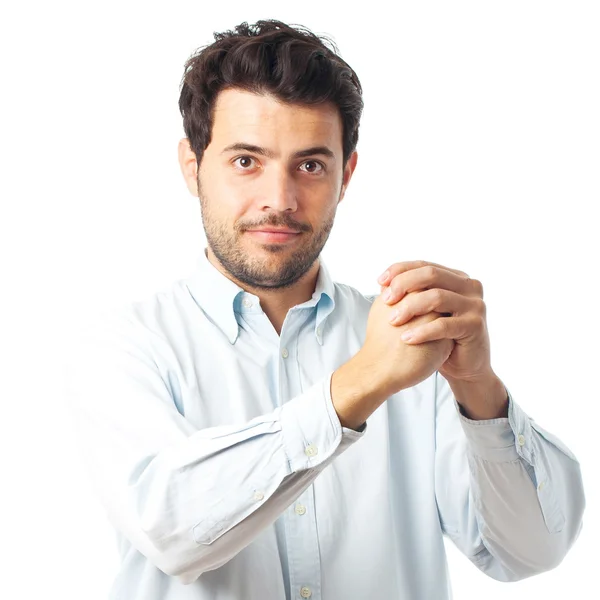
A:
(479, 149)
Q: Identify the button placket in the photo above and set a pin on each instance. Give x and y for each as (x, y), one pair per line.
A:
(303, 548)
(300, 517)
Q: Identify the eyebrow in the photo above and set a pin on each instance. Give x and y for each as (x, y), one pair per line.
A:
(241, 146)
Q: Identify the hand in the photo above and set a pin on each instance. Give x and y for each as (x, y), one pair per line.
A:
(392, 363)
(420, 287)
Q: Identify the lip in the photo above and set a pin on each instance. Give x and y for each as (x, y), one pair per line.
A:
(273, 235)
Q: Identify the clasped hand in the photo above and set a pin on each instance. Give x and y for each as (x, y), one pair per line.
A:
(420, 287)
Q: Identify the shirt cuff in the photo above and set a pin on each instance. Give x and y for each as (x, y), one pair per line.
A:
(311, 428)
(504, 439)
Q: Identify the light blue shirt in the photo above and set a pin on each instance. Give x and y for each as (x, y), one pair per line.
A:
(214, 447)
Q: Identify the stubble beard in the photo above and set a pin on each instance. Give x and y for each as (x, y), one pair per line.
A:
(266, 269)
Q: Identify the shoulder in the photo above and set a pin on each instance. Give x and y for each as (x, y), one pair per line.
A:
(149, 319)
(348, 294)
(349, 297)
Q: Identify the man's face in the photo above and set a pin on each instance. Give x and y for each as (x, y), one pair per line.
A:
(245, 189)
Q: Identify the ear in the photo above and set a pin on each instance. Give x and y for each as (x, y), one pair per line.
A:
(188, 165)
(348, 171)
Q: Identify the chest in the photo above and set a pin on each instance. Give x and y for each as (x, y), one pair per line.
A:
(215, 382)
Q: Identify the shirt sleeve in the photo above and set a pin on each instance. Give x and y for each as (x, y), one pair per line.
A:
(510, 494)
(188, 499)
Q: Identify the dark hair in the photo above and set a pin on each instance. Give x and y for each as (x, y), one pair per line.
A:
(292, 64)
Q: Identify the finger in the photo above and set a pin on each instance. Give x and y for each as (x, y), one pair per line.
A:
(452, 328)
(436, 300)
(401, 267)
(423, 278)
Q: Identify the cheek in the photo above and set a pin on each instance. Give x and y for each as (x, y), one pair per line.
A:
(236, 215)
(224, 200)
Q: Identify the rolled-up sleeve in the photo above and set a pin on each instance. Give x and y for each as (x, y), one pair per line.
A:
(510, 494)
(188, 499)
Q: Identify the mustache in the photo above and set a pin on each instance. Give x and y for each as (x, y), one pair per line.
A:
(288, 224)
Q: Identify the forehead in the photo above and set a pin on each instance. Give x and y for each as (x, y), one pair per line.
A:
(239, 114)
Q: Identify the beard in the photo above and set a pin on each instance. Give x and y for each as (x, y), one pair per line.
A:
(276, 266)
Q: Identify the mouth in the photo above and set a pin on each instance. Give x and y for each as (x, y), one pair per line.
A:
(276, 236)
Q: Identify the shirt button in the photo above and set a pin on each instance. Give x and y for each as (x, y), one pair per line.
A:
(541, 486)
(318, 331)
(247, 303)
(521, 439)
(311, 450)
(259, 496)
(285, 353)
(300, 509)
(305, 592)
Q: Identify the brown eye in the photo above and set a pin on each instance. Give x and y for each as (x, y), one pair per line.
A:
(244, 163)
(314, 162)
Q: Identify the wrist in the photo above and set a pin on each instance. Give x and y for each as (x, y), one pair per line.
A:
(356, 392)
(483, 398)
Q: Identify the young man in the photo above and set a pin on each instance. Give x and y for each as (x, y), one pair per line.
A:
(260, 431)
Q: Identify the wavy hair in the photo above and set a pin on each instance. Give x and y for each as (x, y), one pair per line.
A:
(269, 57)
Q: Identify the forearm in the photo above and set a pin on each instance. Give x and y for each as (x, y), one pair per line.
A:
(194, 518)
(190, 499)
(511, 498)
(528, 495)
(356, 392)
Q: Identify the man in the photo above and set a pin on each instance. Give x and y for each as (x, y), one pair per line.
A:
(259, 431)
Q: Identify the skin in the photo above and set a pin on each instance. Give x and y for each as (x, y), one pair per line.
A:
(242, 190)
(247, 189)
(414, 288)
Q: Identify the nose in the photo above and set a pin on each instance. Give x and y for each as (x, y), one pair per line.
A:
(278, 190)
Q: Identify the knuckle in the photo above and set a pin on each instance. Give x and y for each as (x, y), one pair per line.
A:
(437, 296)
(482, 323)
(445, 325)
(478, 322)
(441, 326)
(430, 272)
(471, 323)
(480, 306)
(476, 285)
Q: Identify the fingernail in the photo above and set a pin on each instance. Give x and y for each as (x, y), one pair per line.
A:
(383, 278)
(406, 336)
(387, 295)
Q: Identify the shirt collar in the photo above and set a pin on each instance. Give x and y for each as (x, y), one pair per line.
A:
(220, 298)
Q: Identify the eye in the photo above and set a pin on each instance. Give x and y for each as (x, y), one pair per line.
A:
(246, 162)
(246, 159)
(314, 162)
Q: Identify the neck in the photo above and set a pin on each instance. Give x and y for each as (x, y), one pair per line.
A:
(276, 302)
